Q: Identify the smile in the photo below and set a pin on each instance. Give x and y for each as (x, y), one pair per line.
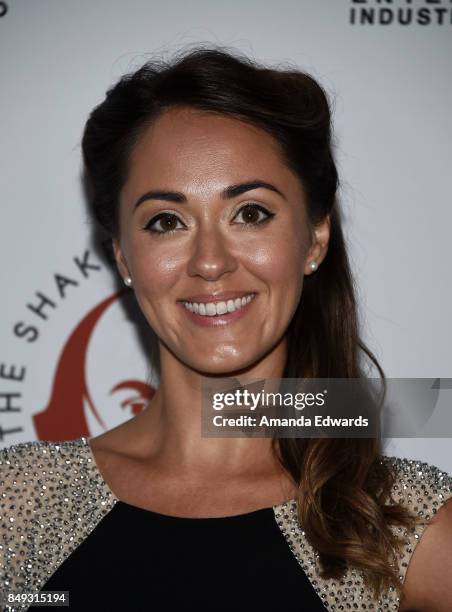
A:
(211, 314)
(212, 309)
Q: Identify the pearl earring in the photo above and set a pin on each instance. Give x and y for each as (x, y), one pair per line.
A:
(313, 265)
(128, 281)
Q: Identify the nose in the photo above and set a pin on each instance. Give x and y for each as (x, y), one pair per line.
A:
(212, 255)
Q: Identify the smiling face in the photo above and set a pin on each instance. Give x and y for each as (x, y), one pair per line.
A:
(197, 237)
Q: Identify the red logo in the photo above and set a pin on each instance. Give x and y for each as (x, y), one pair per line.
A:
(64, 416)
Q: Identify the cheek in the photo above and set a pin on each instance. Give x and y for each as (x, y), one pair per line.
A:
(279, 260)
(275, 260)
(156, 270)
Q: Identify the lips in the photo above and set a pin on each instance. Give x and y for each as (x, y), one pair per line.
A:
(217, 320)
(217, 297)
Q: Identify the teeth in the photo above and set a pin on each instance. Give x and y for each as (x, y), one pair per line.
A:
(212, 309)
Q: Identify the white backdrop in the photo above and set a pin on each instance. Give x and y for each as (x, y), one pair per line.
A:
(392, 94)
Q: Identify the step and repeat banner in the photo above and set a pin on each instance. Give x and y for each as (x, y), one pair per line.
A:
(73, 359)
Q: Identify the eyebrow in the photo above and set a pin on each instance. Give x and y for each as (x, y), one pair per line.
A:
(229, 192)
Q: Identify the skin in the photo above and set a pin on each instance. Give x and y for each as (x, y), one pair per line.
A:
(199, 154)
(427, 586)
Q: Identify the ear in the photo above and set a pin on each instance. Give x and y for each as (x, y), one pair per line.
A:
(319, 247)
(119, 258)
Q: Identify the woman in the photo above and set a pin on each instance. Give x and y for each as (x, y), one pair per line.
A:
(215, 178)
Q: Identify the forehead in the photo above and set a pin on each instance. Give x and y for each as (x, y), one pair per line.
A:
(187, 146)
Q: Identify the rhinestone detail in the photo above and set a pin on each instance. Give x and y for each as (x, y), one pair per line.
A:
(52, 495)
(420, 487)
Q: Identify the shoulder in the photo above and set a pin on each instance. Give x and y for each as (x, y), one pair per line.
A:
(426, 563)
(45, 486)
(38, 456)
(419, 485)
(42, 470)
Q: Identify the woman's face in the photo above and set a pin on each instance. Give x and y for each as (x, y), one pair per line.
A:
(253, 241)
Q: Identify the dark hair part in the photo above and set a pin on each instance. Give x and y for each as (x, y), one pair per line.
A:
(343, 484)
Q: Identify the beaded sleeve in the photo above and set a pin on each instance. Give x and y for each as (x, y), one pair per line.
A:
(420, 487)
(52, 497)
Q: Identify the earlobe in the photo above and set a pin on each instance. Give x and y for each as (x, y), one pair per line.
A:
(319, 247)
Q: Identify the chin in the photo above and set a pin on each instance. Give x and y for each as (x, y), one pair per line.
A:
(224, 367)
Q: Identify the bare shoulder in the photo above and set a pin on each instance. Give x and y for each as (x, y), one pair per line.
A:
(426, 564)
(429, 575)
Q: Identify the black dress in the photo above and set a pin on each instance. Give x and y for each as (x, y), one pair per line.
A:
(63, 529)
(136, 559)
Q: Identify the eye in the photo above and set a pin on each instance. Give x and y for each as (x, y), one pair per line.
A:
(251, 214)
(168, 221)
(167, 225)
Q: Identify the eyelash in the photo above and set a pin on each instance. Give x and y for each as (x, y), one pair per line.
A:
(245, 207)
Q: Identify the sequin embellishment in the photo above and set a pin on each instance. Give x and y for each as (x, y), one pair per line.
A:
(419, 486)
(53, 495)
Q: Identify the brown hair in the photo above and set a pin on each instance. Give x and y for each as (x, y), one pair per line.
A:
(343, 484)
